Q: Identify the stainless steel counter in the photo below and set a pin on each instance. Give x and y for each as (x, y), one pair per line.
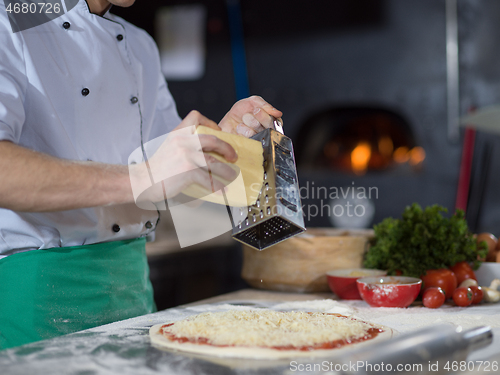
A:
(124, 348)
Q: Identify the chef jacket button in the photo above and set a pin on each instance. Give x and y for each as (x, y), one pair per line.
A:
(119, 37)
(66, 25)
(85, 91)
(115, 228)
(134, 99)
(148, 225)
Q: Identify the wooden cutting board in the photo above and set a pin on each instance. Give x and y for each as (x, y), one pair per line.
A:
(300, 263)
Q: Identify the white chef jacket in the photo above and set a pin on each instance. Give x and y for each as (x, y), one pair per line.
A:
(80, 87)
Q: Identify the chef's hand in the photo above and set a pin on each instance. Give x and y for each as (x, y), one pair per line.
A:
(182, 160)
(249, 116)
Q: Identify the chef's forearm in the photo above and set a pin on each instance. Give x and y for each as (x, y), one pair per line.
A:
(35, 182)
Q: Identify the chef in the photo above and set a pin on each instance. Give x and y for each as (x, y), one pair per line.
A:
(78, 94)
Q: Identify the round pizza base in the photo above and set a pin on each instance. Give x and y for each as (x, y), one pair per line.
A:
(255, 352)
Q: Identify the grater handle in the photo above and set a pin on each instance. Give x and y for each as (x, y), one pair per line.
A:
(278, 125)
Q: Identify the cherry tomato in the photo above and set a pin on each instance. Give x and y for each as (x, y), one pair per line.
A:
(463, 271)
(463, 296)
(443, 278)
(477, 293)
(433, 297)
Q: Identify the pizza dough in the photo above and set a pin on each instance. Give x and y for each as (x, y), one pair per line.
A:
(266, 334)
(245, 189)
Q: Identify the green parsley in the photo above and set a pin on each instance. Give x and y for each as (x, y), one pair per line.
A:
(423, 240)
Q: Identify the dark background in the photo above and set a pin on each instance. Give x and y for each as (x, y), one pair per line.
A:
(305, 56)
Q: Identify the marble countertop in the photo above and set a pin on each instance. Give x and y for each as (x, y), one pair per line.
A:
(124, 348)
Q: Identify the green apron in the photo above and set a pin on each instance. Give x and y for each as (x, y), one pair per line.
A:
(53, 292)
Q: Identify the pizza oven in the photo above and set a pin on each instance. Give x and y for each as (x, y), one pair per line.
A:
(347, 157)
(357, 140)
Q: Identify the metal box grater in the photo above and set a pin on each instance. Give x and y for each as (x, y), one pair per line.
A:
(277, 214)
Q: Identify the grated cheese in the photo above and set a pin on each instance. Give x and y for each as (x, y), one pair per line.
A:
(268, 328)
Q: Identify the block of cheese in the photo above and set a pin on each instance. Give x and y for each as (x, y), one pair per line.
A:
(244, 190)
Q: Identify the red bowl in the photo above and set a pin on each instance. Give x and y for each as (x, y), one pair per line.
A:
(342, 282)
(389, 291)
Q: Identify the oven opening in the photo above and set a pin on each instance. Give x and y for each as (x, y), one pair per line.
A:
(357, 140)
